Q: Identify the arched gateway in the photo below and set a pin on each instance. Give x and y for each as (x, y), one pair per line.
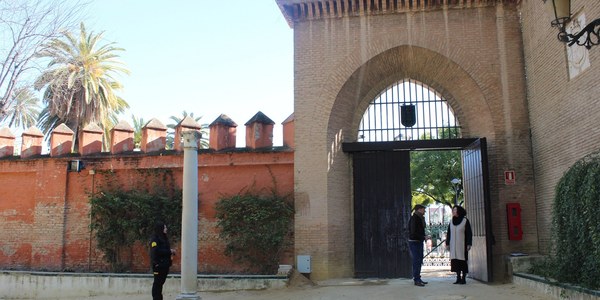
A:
(409, 116)
(349, 51)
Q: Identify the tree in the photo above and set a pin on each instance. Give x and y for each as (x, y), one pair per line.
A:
(176, 120)
(23, 110)
(79, 84)
(25, 27)
(138, 125)
(432, 172)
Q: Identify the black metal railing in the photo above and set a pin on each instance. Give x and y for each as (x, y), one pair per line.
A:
(436, 253)
(408, 110)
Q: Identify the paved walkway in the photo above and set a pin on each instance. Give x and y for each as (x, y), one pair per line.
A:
(440, 287)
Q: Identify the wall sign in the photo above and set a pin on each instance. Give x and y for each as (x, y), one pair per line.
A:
(509, 177)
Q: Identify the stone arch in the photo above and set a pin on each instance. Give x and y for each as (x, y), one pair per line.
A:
(439, 72)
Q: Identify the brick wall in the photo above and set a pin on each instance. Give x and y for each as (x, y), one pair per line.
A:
(471, 54)
(563, 112)
(44, 209)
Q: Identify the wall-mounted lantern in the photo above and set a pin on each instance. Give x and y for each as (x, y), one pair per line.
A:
(456, 184)
(589, 36)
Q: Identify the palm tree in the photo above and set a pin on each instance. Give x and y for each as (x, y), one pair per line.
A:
(138, 125)
(23, 110)
(176, 120)
(79, 83)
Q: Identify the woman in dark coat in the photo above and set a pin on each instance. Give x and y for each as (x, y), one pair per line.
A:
(160, 257)
(459, 239)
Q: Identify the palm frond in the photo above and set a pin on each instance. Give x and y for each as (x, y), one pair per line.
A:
(79, 84)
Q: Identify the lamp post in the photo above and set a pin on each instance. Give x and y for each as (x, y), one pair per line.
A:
(457, 188)
(589, 36)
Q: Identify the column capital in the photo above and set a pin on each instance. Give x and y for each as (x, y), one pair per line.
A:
(191, 138)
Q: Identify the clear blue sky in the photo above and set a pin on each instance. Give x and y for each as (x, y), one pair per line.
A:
(207, 57)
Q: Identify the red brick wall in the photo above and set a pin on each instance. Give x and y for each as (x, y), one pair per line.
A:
(44, 209)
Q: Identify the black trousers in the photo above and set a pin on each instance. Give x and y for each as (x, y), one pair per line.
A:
(160, 276)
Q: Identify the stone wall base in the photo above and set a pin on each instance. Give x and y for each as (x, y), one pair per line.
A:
(556, 290)
(48, 285)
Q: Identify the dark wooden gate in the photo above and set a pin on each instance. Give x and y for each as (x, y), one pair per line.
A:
(476, 192)
(382, 204)
(382, 200)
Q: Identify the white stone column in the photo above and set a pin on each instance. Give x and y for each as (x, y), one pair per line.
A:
(189, 217)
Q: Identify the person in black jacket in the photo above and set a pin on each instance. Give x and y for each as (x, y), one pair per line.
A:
(160, 257)
(416, 237)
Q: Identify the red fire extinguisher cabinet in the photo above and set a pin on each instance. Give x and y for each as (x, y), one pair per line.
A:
(513, 214)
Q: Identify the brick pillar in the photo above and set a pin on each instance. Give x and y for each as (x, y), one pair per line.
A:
(222, 133)
(7, 142)
(31, 142)
(259, 131)
(187, 124)
(90, 139)
(61, 140)
(288, 131)
(121, 138)
(154, 136)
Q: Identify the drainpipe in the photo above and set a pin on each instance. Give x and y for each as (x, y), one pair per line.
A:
(64, 229)
(189, 217)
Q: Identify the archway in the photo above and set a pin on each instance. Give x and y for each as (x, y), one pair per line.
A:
(370, 79)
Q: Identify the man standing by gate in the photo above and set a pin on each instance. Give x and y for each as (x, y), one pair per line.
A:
(416, 237)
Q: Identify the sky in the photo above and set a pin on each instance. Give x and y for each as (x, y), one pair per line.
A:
(204, 57)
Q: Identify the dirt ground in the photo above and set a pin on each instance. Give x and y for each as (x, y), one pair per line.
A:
(440, 287)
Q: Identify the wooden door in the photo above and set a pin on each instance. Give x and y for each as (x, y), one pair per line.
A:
(382, 209)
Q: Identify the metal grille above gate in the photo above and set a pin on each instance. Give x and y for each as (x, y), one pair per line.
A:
(408, 110)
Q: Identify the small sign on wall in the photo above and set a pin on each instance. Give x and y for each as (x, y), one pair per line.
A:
(509, 177)
(577, 56)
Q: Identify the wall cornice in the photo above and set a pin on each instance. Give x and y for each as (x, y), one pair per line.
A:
(297, 11)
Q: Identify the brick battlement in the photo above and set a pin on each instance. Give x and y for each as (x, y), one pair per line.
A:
(222, 136)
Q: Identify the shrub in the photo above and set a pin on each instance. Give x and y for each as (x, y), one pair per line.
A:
(575, 254)
(255, 228)
(120, 218)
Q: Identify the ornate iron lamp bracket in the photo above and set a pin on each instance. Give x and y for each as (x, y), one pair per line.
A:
(591, 34)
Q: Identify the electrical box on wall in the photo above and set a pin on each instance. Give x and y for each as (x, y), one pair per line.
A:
(75, 166)
(513, 214)
(303, 263)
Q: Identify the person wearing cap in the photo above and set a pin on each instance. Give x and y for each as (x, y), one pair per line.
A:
(416, 237)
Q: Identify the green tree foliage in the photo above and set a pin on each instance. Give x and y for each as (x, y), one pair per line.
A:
(138, 125)
(176, 120)
(255, 228)
(79, 84)
(575, 255)
(120, 218)
(23, 110)
(433, 171)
